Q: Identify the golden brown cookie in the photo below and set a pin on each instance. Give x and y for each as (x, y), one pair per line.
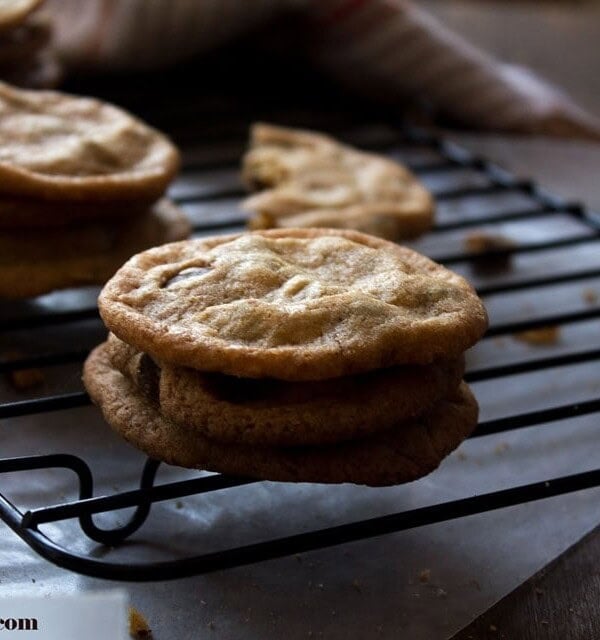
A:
(293, 304)
(313, 181)
(60, 147)
(26, 213)
(13, 12)
(37, 262)
(404, 453)
(274, 412)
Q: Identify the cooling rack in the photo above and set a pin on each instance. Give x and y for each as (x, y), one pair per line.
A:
(211, 131)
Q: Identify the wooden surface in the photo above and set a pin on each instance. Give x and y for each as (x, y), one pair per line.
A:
(561, 602)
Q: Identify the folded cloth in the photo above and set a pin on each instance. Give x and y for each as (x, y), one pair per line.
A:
(389, 49)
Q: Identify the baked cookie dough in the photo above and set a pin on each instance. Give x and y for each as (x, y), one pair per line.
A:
(303, 304)
(56, 146)
(37, 262)
(401, 454)
(277, 413)
(310, 180)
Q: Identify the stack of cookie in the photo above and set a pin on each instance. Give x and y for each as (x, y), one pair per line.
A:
(81, 186)
(310, 180)
(295, 355)
(25, 57)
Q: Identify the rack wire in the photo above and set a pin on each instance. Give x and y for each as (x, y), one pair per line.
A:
(209, 190)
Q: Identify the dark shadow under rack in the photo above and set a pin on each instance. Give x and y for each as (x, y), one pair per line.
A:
(449, 158)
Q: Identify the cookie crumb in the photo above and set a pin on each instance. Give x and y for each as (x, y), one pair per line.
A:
(138, 625)
(543, 336)
(589, 295)
(493, 247)
(425, 575)
(493, 628)
(501, 447)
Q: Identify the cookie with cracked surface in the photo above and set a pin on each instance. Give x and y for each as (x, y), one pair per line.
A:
(37, 262)
(293, 304)
(313, 181)
(402, 454)
(29, 213)
(57, 146)
(277, 413)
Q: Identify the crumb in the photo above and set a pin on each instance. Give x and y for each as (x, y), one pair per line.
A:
(539, 337)
(179, 504)
(203, 602)
(23, 379)
(138, 626)
(425, 575)
(33, 580)
(494, 248)
(589, 296)
(461, 455)
(493, 627)
(356, 585)
(501, 447)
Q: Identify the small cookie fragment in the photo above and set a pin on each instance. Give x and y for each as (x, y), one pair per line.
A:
(310, 180)
(138, 625)
(492, 251)
(543, 336)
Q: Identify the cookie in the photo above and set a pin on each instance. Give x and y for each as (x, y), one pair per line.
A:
(60, 147)
(37, 262)
(313, 181)
(273, 412)
(293, 304)
(28, 213)
(13, 12)
(404, 453)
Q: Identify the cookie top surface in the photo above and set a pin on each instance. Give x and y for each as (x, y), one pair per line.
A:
(13, 12)
(294, 304)
(401, 454)
(278, 413)
(58, 146)
(308, 173)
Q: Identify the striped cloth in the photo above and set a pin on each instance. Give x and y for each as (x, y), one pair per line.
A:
(388, 49)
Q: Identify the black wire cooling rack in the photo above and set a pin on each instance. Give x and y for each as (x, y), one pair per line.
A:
(212, 134)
